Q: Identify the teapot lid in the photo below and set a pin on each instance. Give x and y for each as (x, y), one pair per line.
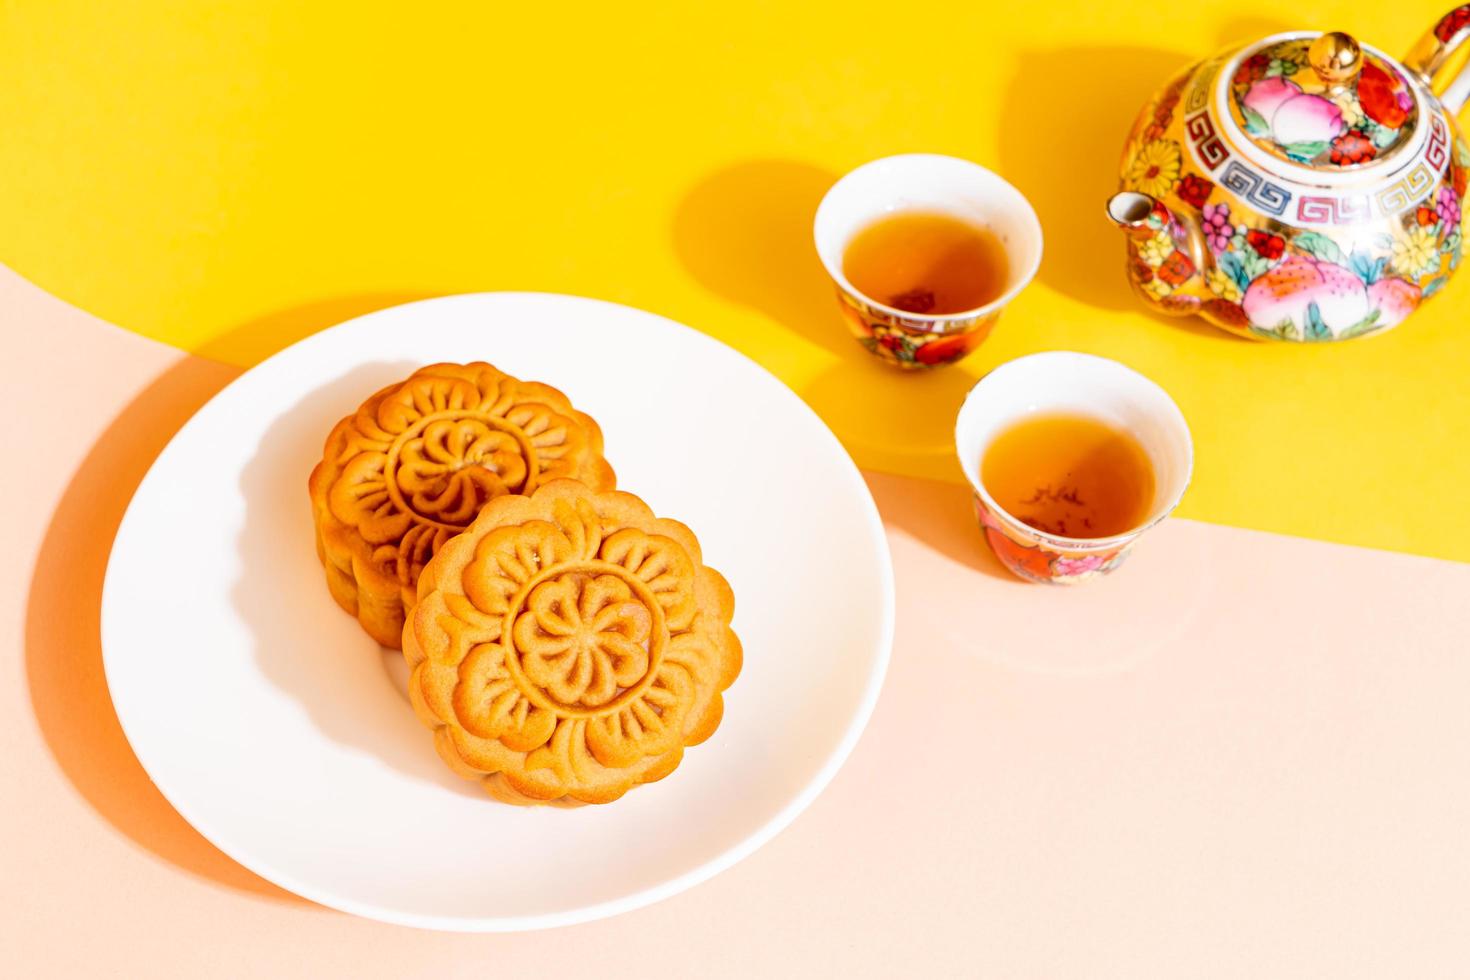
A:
(1322, 102)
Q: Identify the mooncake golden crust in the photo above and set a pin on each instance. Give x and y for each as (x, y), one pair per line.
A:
(569, 646)
(416, 463)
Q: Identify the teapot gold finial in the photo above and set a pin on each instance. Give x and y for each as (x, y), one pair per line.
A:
(1307, 187)
(1336, 57)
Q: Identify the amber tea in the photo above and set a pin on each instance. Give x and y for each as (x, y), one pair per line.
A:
(927, 262)
(1070, 475)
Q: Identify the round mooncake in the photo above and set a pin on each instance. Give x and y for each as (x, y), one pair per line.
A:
(417, 462)
(569, 646)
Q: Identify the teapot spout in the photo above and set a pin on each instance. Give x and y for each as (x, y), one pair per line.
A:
(1130, 211)
(1142, 216)
(1167, 253)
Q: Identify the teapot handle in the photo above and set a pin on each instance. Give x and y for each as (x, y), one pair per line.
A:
(1434, 51)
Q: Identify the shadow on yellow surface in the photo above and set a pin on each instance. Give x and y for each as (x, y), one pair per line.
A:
(63, 644)
(745, 232)
(1062, 129)
(254, 341)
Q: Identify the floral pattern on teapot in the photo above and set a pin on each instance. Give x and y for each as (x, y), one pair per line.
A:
(1277, 253)
(1297, 115)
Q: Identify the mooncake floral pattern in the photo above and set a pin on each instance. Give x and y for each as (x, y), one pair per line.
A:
(415, 464)
(419, 462)
(573, 648)
(583, 638)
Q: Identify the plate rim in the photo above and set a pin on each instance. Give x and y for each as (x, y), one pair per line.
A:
(641, 898)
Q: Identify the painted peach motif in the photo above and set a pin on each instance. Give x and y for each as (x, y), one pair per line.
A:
(1268, 94)
(1293, 116)
(1394, 299)
(1287, 293)
(1307, 119)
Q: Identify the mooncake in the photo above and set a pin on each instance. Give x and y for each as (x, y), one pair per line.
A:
(417, 462)
(569, 646)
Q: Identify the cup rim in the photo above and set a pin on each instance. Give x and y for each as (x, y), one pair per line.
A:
(994, 305)
(1061, 542)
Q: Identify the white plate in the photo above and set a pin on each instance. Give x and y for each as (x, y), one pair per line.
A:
(279, 730)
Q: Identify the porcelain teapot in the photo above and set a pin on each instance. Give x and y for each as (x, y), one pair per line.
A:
(1303, 188)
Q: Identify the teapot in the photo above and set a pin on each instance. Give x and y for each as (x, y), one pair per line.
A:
(1303, 188)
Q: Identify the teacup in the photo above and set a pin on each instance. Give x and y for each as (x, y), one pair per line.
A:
(1080, 384)
(928, 182)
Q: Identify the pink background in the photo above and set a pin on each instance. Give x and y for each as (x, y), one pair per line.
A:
(1244, 755)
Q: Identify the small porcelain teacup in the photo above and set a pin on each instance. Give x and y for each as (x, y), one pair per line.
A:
(1077, 384)
(925, 182)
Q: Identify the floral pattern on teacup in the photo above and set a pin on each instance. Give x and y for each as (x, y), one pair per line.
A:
(914, 343)
(1034, 560)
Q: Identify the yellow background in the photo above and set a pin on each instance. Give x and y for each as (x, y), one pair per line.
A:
(229, 178)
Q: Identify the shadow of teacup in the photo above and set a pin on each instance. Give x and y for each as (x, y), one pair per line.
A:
(940, 515)
(745, 233)
(1062, 129)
